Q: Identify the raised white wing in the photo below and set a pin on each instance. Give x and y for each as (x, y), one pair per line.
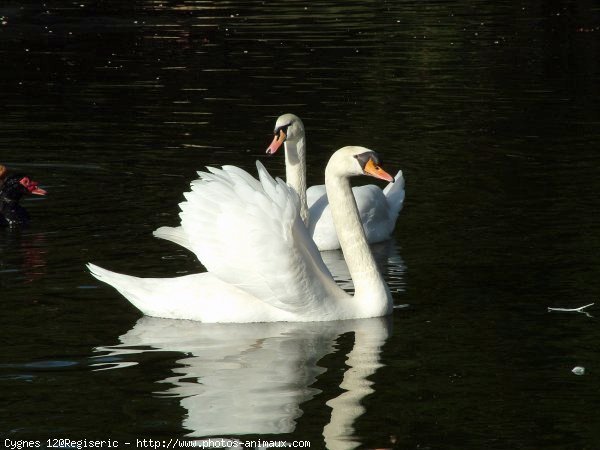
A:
(249, 234)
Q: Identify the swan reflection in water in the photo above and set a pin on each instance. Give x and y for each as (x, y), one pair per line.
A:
(241, 379)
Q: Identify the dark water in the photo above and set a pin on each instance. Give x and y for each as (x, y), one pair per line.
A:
(490, 108)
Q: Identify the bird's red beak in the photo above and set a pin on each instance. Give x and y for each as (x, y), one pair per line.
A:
(39, 191)
(32, 186)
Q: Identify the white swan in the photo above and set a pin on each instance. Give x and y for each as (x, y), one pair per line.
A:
(378, 209)
(262, 265)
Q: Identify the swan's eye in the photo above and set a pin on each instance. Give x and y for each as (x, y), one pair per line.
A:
(368, 158)
(283, 128)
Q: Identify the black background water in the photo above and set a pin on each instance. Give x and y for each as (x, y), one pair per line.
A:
(489, 108)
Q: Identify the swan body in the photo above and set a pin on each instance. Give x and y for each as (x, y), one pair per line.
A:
(262, 264)
(378, 208)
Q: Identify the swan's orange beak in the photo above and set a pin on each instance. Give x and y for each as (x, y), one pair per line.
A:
(277, 141)
(376, 171)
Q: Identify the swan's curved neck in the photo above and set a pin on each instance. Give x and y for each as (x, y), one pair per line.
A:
(368, 281)
(295, 172)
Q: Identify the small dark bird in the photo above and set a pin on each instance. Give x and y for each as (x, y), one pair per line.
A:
(12, 188)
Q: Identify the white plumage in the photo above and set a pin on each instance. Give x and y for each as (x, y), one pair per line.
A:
(262, 264)
(378, 208)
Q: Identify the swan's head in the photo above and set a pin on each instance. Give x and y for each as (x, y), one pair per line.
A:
(353, 161)
(289, 128)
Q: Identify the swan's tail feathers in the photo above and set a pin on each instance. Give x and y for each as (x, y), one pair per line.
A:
(173, 234)
(169, 298)
(394, 194)
(133, 289)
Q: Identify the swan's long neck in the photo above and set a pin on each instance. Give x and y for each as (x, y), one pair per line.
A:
(295, 172)
(368, 281)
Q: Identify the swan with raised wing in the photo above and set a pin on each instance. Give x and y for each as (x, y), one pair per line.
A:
(378, 208)
(262, 264)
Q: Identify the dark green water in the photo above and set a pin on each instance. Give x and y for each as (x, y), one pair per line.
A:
(491, 109)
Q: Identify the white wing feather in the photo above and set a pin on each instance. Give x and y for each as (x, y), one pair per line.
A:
(173, 234)
(249, 234)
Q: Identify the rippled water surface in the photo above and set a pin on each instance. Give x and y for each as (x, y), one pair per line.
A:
(489, 108)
